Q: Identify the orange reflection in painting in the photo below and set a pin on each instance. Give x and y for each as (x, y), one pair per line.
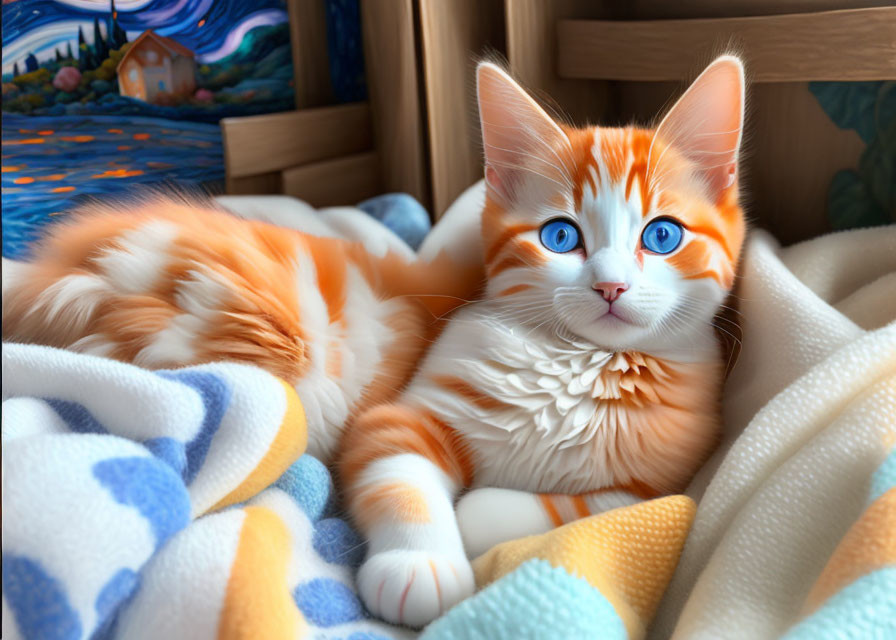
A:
(76, 138)
(118, 173)
(24, 141)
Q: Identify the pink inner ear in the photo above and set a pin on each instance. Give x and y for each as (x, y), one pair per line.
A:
(732, 173)
(706, 122)
(492, 178)
(515, 132)
(494, 182)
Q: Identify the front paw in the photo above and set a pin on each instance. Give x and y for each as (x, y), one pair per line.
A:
(414, 587)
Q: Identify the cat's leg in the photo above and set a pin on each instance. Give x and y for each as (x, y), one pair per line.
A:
(487, 517)
(416, 567)
(401, 469)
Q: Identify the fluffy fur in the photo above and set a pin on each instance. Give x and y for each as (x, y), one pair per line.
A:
(547, 385)
(169, 282)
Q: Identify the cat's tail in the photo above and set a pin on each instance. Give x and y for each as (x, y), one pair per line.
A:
(44, 306)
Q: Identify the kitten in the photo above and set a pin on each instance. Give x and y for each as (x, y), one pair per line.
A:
(170, 282)
(589, 368)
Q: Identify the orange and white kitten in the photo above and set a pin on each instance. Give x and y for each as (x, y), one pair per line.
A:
(590, 367)
(168, 282)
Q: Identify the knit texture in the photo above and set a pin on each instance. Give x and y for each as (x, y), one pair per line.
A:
(809, 415)
(536, 600)
(627, 554)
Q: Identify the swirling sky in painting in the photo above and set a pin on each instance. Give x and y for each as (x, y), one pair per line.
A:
(211, 28)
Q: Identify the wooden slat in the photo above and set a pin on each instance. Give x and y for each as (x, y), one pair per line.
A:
(344, 181)
(310, 58)
(532, 53)
(454, 34)
(663, 9)
(259, 144)
(395, 98)
(263, 183)
(853, 44)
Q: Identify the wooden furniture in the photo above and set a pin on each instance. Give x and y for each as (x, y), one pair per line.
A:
(589, 61)
(792, 148)
(333, 155)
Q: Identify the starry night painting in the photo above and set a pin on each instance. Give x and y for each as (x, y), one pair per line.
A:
(100, 96)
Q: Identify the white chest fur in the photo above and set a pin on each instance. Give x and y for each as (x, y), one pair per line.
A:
(543, 413)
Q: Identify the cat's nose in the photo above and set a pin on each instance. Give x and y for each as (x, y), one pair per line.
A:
(610, 290)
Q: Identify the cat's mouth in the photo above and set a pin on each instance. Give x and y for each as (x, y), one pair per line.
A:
(614, 315)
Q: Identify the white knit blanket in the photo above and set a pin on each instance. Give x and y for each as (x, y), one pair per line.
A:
(809, 414)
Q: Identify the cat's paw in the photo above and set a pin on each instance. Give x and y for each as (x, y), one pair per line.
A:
(414, 587)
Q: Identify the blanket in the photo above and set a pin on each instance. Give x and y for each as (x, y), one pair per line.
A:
(167, 504)
(147, 504)
(791, 519)
(178, 504)
(599, 577)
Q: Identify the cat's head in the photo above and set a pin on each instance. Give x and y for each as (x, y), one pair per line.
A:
(627, 237)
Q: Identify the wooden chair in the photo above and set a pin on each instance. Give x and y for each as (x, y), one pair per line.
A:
(592, 60)
(331, 155)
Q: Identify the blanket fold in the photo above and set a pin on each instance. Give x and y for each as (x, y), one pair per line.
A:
(606, 574)
(855, 595)
(809, 413)
(170, 504)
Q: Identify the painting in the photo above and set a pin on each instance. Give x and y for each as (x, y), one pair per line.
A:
(102, 96)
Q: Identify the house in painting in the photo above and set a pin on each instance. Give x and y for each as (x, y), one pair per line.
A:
(155, 65)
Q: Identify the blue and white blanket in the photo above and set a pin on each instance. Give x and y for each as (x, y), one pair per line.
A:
(167, 504)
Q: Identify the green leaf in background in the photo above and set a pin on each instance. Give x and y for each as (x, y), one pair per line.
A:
(866, 196)
(877, 166)
(850, 203)
(849, 104)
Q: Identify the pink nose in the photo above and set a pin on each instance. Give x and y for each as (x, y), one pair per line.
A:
(610, 290)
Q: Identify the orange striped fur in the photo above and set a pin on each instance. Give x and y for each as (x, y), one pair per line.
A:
(168, 282)
(393, 430)
(403, 501)
(547, 384)
(577, 399)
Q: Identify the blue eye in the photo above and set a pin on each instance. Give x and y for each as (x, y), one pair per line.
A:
(560, 236)
(662, 236)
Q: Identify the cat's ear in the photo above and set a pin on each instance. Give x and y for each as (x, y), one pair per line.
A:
(517, 134)
(706, 124)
